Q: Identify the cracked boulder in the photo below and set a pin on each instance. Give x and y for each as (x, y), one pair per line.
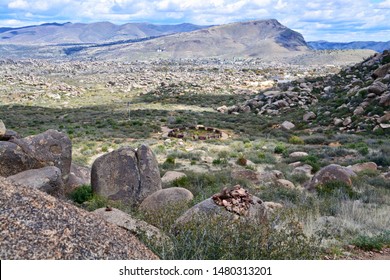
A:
(50, 148)
(126, 175)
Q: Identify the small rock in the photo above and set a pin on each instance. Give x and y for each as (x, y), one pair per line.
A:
(309, 116)
(298, 154)
(171, 176)
(347, 121)
(287, 125)
(2, 129)
(359, 167)
(285, 183)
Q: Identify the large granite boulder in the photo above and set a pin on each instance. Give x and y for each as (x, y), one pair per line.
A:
(332, 172)
(50, 148)
(47, 179)
(171, 176)
(37, 226)
(165, 198)
(126, 174)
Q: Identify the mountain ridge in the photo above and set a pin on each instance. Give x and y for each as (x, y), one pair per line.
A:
(363, 45)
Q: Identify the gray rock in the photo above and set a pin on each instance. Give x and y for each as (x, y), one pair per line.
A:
(47, 149)
(347, 121)
(78, 176)
(163, 199)
(37, 226)
(332, 172)
(298, 154)
(287, 125)
(304, 169)
(171, 176)
(126, 175)
(359, 167)
(358, 111)
(377, 88)
(381, 71)
(14, 160)
(285, 183)
(309, 116)
(47, 179)
(135, 226)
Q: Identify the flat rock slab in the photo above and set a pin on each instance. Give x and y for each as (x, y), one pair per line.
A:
(37, 226)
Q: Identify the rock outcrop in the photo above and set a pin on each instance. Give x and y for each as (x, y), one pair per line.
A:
(36, 226)
(126, 174)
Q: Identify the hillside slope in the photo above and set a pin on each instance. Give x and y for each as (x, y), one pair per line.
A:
(263, 38)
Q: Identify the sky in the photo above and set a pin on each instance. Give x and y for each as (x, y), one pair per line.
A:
(336, 21)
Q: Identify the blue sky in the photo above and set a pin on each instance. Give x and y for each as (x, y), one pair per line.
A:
(341, 21)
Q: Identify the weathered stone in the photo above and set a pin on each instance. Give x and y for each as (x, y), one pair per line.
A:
(135, 226)
(37, 226)
(385, 99)
(285, 183)
(337, 121)
(78, 176)
(358, 111)
(377, 88)
(304, 169)
(222, 109)
(171, 176)
(47, 179)
(163, 199)
(332, 172)
(381, 71)
(246, 174)
(126, 175)
(14, 160)
(309, 116)
(48, 148)
(384, 118)
(359, 167)
(298, 154)
(287, 125)
(347, 121)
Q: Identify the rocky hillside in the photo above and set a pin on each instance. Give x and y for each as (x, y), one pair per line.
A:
(78, 33)
(356, 99)
(263, 38)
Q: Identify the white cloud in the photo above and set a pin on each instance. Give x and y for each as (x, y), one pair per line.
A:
(315, 18)
(18, 4)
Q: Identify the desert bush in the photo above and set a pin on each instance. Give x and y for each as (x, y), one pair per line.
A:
(219, 238)
(376, 242)
(296, 140)
(81, 194)
(280, 149)
(336, 188)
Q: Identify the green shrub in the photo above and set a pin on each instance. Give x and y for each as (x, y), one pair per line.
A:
(337, 189)
(280, 149)
(313, 161)
(376, 242)
(296, 140)
(82, 194)
(219, 238)
(241, 160)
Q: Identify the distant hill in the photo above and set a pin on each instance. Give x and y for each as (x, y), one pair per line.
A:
(76, 33)
(359, 45)
(262, 38)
